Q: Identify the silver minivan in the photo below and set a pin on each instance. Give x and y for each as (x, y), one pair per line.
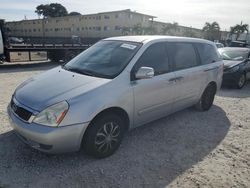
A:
(114, 86)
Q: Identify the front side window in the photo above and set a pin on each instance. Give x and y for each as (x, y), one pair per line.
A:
(155, 56)
(207, 53)
(183, 54)
(104, 59)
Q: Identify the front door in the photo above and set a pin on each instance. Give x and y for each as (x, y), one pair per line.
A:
(153, 97)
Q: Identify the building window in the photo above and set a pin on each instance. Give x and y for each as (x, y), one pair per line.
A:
(89, 18)
(46, 30)
(117, 28)
(78, 29)
(106, 28)
(82, 28)
(39, 30)
(57, 21)
(34, 30)
(98, 28)
(131, 16)
(118, 15)
(29, 30)
(85, 18)
(106, 17)
(89, 28)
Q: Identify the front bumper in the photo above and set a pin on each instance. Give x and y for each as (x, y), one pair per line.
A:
(231, 79)
(48, 139)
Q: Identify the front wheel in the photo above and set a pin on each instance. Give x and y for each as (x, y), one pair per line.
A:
(104, 136)
(207, 98)
(241, 81)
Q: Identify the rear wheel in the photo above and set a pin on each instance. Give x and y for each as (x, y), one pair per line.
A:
(241, 81)
(104, 135)
(207, 98)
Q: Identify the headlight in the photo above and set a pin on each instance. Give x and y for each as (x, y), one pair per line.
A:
(234, 69)
(53, 115)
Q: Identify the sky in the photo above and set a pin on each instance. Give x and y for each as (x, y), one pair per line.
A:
(186, 12)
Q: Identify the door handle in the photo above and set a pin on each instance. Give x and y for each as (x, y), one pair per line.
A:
(171, 79)
(179, 78)
(211, 69)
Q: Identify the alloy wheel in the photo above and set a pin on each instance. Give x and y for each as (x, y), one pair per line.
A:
(107, 137)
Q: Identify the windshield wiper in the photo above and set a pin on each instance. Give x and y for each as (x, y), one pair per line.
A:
(80, 71)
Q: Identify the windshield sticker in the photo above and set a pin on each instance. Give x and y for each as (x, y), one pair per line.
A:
(128, 46)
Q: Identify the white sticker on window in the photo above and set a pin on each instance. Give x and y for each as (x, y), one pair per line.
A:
(128, 46)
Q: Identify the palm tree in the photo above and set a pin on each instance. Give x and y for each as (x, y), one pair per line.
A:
(212, 31)
(239, 29)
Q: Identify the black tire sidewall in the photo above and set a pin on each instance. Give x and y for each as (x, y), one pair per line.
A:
(207, 98)
(238, 86)
(94, 127)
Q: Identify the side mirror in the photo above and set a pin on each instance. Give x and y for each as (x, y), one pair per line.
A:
(144, 73)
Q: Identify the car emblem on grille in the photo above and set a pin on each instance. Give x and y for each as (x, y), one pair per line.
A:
(14, 107)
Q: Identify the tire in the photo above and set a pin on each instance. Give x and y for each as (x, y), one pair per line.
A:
(207, 98)
(241, 81)
(98, 140)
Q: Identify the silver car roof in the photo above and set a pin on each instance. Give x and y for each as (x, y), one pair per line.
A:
(148, 38)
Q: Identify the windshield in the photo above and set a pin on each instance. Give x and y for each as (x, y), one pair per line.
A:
(104, 59)
(234, 55)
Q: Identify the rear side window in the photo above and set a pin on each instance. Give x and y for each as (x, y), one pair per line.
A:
(183, 54)
(155, 56)
(207, 53)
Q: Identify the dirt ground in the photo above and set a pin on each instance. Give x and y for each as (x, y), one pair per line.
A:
(187, 149)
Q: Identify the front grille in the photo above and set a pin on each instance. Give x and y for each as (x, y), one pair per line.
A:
(20, 112)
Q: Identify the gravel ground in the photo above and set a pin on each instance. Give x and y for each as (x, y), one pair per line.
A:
(186, 149)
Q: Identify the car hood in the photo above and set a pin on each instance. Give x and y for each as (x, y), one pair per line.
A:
(229, 63)
(55, 86)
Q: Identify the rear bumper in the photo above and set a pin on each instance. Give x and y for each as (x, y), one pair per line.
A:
(48, 139)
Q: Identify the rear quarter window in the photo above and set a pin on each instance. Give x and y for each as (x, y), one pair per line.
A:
(208, 53)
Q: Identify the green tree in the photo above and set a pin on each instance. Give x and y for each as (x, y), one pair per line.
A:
(74, 14)
(137, 29)
(126, 30)
(189, 33)
(212, 31)
(51, 10)
(239, 29)
(170, 29)
(151, 30)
